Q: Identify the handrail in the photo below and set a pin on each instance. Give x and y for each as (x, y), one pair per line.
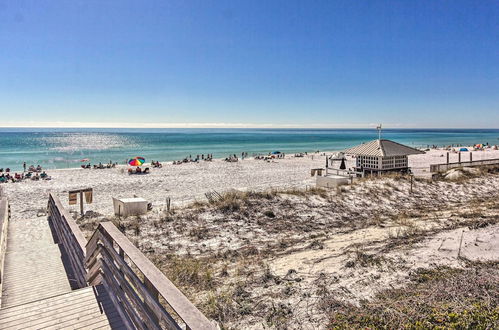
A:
(108, 252)
(71, 237)
(4, 225)
(448, 166)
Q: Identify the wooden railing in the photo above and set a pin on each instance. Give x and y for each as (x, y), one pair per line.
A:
(136, 286)
(445, 167)
(71, 238)
(4, 225)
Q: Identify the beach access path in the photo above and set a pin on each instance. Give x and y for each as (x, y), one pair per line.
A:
(37, 292)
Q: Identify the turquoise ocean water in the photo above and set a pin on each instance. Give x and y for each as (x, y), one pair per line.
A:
(64, 147)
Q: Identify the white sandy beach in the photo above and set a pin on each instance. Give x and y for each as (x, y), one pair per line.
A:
(319, 240)
(189, 181)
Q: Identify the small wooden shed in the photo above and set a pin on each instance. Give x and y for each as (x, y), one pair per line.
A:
(381, 156)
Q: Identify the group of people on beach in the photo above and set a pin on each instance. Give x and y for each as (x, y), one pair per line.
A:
(138, 170)
(32, 173)
(156, 164)
(476, 147)
(37, 173)
(207, 158)
(100, 166)
(232, 158)
(270, 156)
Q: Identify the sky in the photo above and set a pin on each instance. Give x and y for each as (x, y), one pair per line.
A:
(272, 63)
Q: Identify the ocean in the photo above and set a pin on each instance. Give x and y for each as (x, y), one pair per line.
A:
(66, 147)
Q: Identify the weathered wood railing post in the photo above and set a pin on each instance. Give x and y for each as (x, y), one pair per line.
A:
(81, 203)
(135, 285)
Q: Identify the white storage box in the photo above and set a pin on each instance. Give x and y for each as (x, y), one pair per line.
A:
(129, 206)
(331, 181)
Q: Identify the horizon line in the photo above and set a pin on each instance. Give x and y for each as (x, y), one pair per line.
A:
(93, 125)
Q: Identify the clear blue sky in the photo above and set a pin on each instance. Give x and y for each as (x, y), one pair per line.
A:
(226, 62)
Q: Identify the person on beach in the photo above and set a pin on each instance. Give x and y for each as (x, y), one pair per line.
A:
(24, 166)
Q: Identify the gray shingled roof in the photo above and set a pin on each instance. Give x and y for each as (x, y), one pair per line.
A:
(383, 148)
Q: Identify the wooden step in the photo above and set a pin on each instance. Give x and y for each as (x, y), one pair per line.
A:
(86, 308)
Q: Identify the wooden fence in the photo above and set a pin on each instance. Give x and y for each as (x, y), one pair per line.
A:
(4, 225)
(72, 239)
(445, 167)
(136, 286)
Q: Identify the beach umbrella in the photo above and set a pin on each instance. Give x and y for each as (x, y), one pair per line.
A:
(463, 149)
(137, 161)
(275, 152)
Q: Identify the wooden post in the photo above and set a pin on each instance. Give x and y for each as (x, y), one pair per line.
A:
(80, 191)
(459, 157)
(471, 157)
(81, 202)
(447, 158)
(412, 181)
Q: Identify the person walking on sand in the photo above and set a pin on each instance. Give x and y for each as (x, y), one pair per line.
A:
(24, 167)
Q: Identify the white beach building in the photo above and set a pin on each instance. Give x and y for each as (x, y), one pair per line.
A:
(380, 155)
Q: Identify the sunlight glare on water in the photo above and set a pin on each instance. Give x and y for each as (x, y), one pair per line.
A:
(80, 142)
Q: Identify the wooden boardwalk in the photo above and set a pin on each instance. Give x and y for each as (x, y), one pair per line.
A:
(33, 264)
(37, 289)
(51, 277)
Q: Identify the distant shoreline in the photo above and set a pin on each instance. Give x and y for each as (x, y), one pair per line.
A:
(64, 148)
